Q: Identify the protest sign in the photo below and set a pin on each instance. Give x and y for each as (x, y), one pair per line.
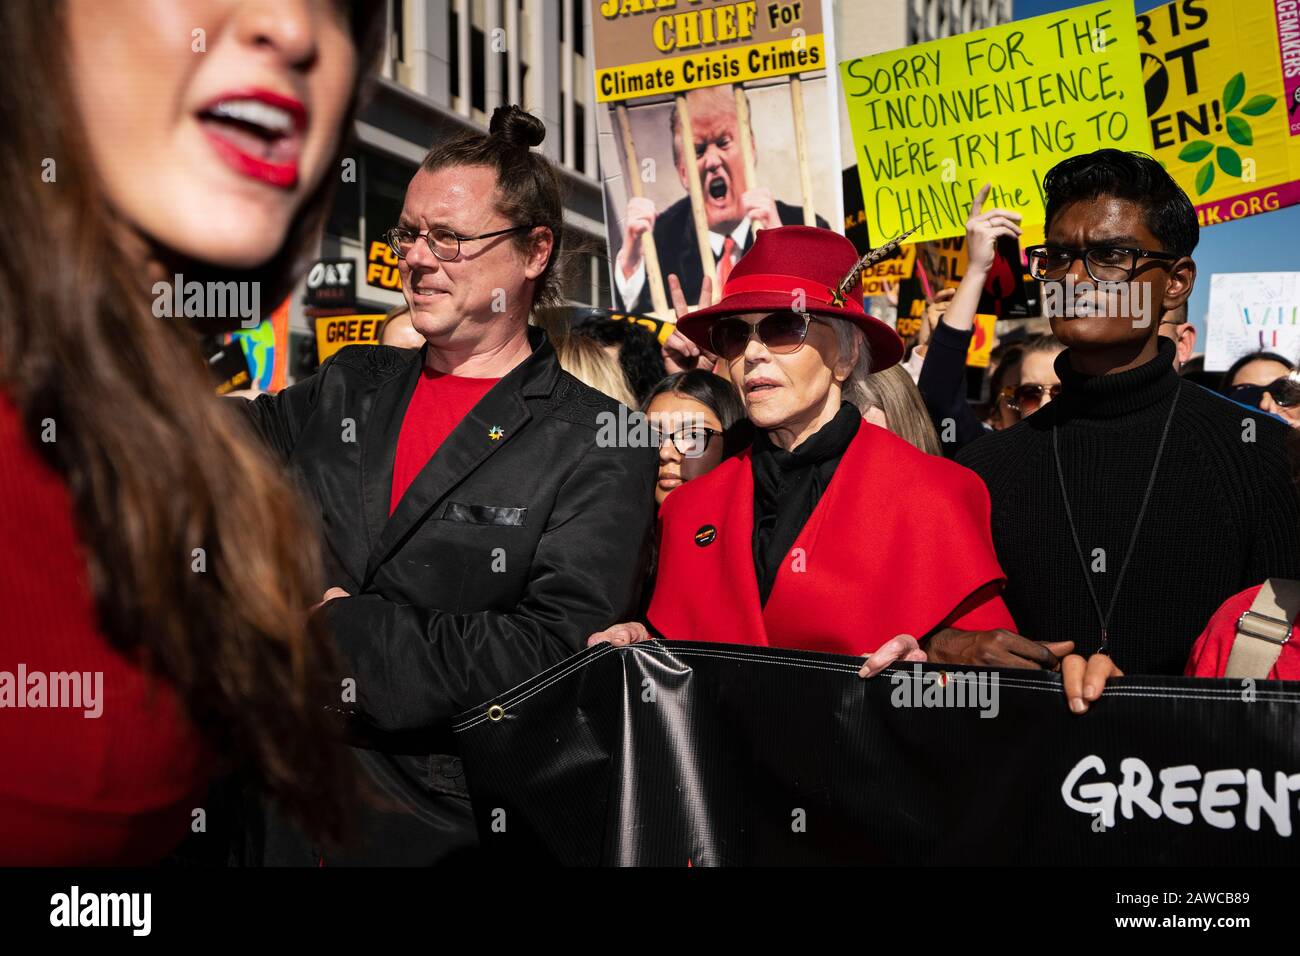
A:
(933, 122)
(266, 348)
(336, 331)
(381, 266)
(228, 366)
(1221, 84)
(1250, 311)
(889, 271)
(677, 754)
(750, 86)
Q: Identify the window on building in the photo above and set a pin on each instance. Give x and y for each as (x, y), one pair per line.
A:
(386, 181)
(345, 215)
(578, 8)
(397, 36)
(453, 46)
(477, 71)
(579, 137)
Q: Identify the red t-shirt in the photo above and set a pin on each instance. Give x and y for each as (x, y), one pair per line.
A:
(113, 778)
(1210, 652)
(437, 406)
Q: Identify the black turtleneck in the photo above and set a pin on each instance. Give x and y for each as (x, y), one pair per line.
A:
(787, 487)
(1223, 514)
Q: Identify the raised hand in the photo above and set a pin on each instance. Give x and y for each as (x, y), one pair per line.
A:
(680, 353)
(640, 220)
(984, 228)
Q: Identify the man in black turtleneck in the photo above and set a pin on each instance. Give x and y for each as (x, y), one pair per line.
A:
(1132, 471)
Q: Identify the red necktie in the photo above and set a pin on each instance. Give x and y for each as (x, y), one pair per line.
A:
(724, 262)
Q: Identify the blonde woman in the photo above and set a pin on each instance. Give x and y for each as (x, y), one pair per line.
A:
(588, 362)
(890, 399)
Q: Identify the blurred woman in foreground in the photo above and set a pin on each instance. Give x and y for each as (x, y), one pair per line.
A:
(149, 546)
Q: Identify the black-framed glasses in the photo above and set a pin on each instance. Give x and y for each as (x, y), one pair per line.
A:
(442, 242)
(1027, 398)
(1285, 392)
(691, 441)
(1104, 263)
(780, 332)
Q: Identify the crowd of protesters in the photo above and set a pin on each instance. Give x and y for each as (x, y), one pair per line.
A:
(290, 597)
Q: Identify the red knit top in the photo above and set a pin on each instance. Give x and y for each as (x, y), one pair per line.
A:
(112, 774)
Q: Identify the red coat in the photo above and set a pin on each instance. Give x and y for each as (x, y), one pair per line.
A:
(77, 790)
(1211, 651)
(898, 544)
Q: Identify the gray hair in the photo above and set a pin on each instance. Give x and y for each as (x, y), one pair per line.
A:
(856, 388)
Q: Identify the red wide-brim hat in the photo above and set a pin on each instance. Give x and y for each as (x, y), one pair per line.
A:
(797, 265)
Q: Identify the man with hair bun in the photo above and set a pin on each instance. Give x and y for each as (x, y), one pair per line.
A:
(475, 530)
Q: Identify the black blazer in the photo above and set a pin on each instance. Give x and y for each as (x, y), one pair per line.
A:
(679, 251)
(501, 558)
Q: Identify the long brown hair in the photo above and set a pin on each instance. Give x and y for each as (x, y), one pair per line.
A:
(155, 464)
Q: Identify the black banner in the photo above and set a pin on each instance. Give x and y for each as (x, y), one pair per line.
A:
(685, 754)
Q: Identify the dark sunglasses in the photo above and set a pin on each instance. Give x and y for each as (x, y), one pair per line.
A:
(1025, 399)
(1285, 392)
(780, 332)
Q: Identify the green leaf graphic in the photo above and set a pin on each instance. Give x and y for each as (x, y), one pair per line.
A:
(1195, 151)
(1204, 179)
(1233, 91)
(1259, 105)
(1239, 131)
(1229, 161)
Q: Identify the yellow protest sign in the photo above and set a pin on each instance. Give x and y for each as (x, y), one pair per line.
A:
(660, 329)
(981, 342)
(943, 262)
(381, 267)
(333, 332)
(895, 270)
(652, 47)
(1222, 77)
(933, 122)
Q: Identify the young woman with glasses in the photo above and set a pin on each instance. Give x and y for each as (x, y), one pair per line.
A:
(696, 416)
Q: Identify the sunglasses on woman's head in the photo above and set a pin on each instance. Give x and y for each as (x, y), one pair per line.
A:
(1285, 392)
(780, 332)
(1026, 398)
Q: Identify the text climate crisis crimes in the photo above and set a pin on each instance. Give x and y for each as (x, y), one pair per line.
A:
(647, 80)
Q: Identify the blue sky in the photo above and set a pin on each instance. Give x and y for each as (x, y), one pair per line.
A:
(1264, 243)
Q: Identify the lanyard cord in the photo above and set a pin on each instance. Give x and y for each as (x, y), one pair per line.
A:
(1103, 620)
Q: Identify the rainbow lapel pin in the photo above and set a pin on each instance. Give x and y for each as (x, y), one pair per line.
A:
(496, 433)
